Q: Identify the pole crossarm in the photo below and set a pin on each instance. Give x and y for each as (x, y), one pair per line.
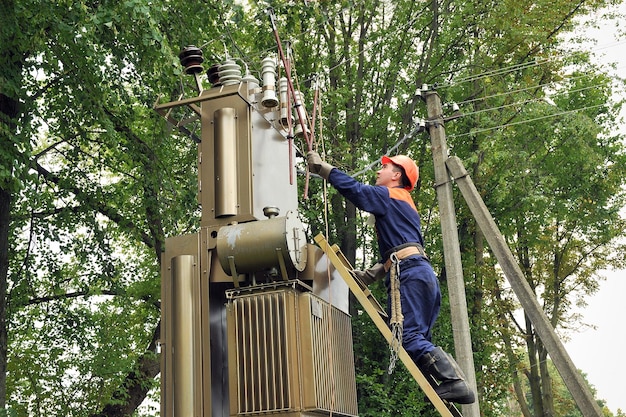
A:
(571, 377)
(374, 310)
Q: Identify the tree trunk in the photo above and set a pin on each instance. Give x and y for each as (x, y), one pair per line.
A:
(136, 385)
(5, 214)
(513, 365)
(9, 110)
(519, 393)
(546, 384)
(534, 379)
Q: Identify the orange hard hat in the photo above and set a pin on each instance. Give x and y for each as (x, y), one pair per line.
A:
(410, 168)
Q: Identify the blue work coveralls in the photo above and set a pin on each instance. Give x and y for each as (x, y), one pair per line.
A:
(397, 223)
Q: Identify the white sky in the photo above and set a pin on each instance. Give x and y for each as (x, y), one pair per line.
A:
(599, 352)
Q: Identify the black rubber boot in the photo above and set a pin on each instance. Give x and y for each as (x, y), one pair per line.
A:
(452, 386)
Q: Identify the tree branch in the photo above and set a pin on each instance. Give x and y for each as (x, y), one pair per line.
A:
(132, 392)
(98, 205)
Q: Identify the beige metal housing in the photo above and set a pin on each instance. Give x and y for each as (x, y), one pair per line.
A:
(290, 353)
(281, 342)
(244, 163)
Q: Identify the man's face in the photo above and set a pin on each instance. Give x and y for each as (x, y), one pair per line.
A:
(387, 175)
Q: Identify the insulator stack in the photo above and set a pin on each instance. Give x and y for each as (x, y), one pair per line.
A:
(213, 75)
(191, 59)
(253, 83)
(229, 72)
(283, 89)
(268, 73)
(299, 132)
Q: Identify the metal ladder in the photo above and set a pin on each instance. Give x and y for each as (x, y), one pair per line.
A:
(378, 315)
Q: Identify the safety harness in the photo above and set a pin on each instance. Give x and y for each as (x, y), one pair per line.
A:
(396, 321)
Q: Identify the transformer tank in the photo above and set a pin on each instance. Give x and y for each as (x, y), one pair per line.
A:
(254, 318)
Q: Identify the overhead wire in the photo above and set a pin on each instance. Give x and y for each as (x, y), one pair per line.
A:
(417, 129)
(474, 131)
(527, 101)
(531, 87)
(516, 67)
(523, 102)
(497, 71)
(472, 78)
(520, 90)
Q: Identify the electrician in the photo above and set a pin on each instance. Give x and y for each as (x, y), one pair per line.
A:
(400, 243)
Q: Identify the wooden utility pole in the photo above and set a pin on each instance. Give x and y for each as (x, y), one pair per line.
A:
(451, 168)
(451, 248)
(563, 363)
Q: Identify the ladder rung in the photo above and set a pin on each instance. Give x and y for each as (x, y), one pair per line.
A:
(368, 294)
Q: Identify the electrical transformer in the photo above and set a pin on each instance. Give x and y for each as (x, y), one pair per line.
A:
(254, 318)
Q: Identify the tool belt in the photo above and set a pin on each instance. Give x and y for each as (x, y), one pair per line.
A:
(402, 252)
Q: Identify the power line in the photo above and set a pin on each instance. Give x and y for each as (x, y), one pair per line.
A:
(520, 90)
(409, 135)
(498, 71)
(474, 131)
(531, 100)
(489, 73)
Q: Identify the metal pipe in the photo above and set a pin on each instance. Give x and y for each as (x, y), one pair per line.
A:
(184, 336)
(226, 175)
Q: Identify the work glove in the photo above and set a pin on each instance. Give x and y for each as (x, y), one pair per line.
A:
(317, 166)
(371, 275)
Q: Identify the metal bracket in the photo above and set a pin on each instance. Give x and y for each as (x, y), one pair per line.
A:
(233, 271)
(281, 263)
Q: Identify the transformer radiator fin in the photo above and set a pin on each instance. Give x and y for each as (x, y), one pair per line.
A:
(290, 352)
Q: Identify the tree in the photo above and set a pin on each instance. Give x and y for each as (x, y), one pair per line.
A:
(551, 150)
(89, 174)
(92, 180)
(463, 40)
